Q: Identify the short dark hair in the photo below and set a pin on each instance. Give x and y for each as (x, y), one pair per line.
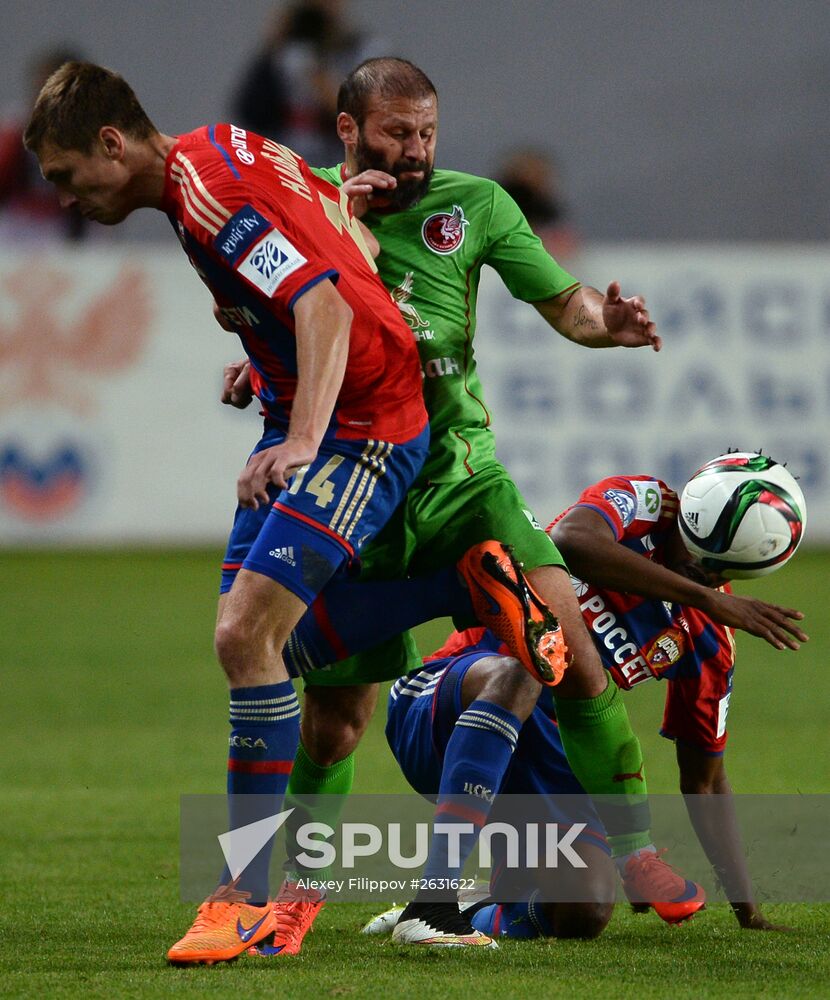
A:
(387, 76)
(77, 101)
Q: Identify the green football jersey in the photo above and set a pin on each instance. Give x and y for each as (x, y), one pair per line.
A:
(431, 259)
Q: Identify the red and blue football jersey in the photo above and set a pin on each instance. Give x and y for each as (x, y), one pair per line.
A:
(640, 639)
(260, 229)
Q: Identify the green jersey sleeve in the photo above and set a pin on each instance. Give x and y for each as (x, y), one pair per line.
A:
(517, 254)
(330, 174)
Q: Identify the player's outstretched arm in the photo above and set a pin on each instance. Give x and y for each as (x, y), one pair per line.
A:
(771, 622)
(592, 553)
(591, 319)
(711, 810)
(323, 321)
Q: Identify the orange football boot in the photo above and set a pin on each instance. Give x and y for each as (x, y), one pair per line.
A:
(649, 880)
(295, 910)
(224, 927)
(505, 603)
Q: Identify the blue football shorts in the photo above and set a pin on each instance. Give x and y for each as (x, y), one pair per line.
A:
(330, 509)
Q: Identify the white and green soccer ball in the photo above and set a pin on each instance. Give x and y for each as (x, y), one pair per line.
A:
(742, 515)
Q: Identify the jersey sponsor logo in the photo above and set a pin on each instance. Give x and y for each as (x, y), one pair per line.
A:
(666, 650)
(239, 142)
(648, 500)
(239, 316)
(438, 367)
(443, 232)
(240, 232)
(270, 262)
(624, 502)
(630, 666)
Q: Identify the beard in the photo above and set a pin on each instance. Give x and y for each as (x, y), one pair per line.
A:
(408, 192)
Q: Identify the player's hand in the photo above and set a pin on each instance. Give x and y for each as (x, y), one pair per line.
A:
(272, 466)
(627, 320)
(236, 384)
(774, 624)
(368, 187)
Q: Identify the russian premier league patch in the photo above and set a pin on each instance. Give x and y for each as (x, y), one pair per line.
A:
(443, 232)
(270, 262)
(624, 502)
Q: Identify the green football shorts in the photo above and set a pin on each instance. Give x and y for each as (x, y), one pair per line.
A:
(431, 529)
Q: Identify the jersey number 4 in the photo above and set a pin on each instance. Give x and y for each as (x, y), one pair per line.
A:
(319, 486)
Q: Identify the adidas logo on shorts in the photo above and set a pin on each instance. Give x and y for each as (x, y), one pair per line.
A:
(286, 553)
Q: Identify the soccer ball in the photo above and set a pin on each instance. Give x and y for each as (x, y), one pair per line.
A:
(742, 515)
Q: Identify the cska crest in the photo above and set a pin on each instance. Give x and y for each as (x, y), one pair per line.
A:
(666, 650)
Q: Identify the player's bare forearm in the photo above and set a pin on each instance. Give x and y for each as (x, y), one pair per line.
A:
(591, 319)
(593, 554)
(322, 325)
(323, 320)
(577, 315)
(711, 809)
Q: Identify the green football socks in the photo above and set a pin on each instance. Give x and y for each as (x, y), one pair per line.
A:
(606, 758)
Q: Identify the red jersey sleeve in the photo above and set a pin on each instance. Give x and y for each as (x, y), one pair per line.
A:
(255, 227)
(633, 506)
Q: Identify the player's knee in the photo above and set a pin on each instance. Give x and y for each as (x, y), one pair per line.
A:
(334, 721)
(231, 644)
(578, 920)
(327, 747)
(503, 681)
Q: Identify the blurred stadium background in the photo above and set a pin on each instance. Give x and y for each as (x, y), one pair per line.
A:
(693, 142)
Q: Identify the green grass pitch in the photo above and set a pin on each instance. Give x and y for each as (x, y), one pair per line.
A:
(113, 706)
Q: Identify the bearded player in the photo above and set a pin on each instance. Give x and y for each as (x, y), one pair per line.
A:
(436, 229)
(336, 371)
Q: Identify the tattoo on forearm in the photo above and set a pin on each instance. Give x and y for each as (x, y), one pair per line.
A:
(583, 319)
